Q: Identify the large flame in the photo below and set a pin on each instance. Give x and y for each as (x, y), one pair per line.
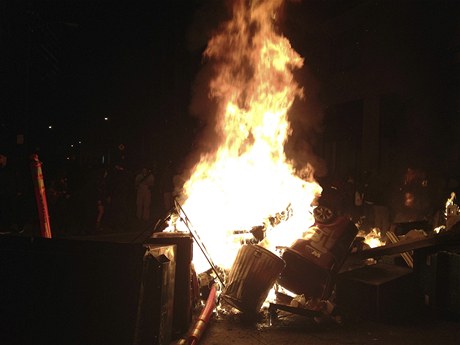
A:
(248, 178)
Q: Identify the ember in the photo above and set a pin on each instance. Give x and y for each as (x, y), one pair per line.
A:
(452, 212)
(373, 238)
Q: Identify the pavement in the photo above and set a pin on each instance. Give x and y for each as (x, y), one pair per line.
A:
(291, 329)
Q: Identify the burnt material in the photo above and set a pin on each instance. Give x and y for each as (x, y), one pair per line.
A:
(312, 264)
(433, 242)
(294, 310)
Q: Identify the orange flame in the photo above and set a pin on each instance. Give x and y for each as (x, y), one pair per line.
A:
(248, 178)
(374, 238)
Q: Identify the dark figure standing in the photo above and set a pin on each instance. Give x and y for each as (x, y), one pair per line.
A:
(119, 198)
(7, 193)
(144, 183)
(412, 207)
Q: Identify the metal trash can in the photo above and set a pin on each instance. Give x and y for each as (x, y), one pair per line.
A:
(251, 277)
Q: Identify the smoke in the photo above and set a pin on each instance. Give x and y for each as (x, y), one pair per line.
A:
(209, 15)
(306, 118)
(206, 19)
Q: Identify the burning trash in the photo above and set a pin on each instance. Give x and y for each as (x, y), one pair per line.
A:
(298, 279)
(313, 262)
(370, 239)
(255, 214)
(250, 209)
(452, 212)
(246, 182)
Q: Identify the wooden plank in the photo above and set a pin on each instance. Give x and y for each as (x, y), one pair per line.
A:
(433, 241)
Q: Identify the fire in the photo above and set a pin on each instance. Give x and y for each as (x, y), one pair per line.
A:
(248, 180)
(451, 208)
(374, 238)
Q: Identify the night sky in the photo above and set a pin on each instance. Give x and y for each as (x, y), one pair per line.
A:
(71, 63)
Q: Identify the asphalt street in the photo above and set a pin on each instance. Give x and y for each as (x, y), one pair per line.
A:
(292, 329)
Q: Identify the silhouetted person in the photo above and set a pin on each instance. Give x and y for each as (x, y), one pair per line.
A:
(374, 196)
(7, 192)
(411, 203)
(144, 182)
(119, 198)
(93, 208)
(58, 199)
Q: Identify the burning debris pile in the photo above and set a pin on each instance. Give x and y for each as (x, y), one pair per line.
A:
(246, 185)
(302, 275)
(256, 220)
(251, 210)
(304, 278)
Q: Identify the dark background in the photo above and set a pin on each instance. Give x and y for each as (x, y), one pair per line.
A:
(70, 64)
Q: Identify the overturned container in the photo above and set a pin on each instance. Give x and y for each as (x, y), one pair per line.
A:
(312, 264)
(251, 277)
